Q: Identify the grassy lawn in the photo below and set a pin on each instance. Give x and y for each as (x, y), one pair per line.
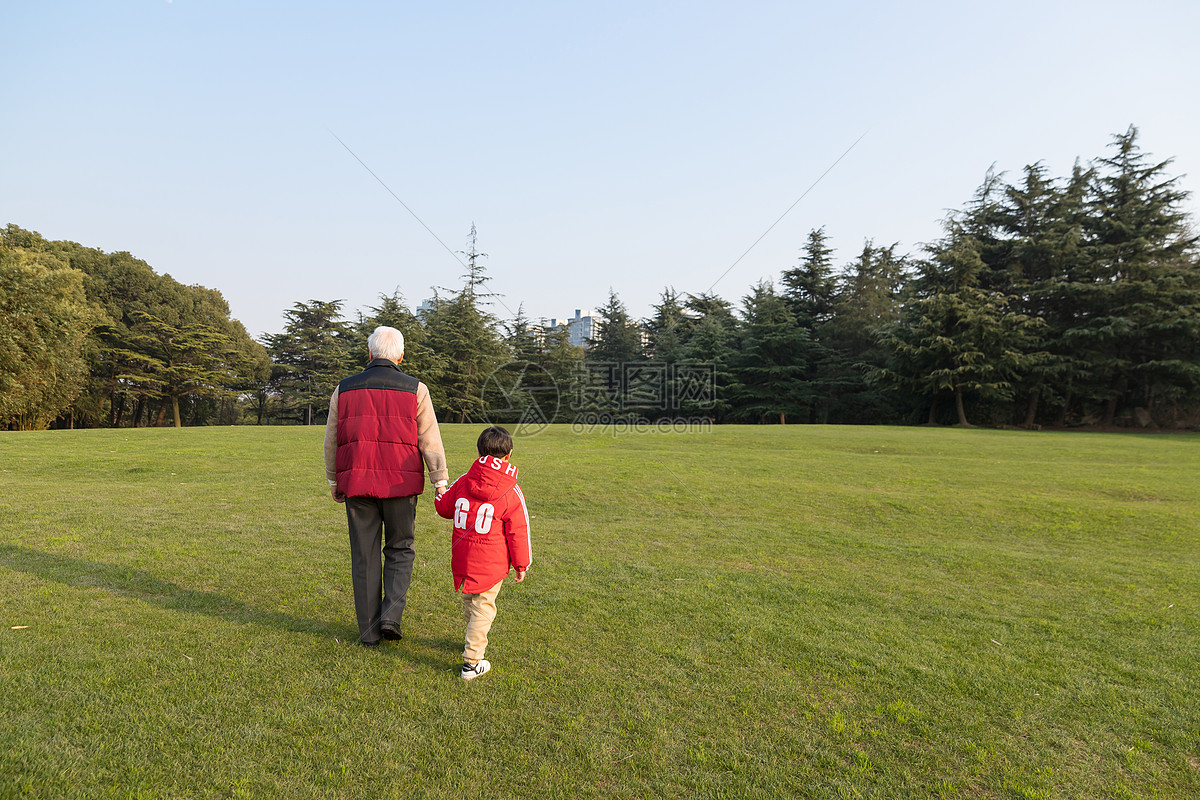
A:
(752, 612)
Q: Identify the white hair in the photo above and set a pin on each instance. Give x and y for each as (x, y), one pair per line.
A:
(387, 343)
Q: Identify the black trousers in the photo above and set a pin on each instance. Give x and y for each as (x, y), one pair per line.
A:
(380, 592)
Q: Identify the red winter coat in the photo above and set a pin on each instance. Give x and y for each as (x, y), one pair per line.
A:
(491, 525)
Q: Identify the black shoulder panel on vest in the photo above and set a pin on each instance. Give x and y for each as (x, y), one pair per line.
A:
(380, 374)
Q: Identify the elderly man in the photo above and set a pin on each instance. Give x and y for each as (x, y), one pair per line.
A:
(380, 438)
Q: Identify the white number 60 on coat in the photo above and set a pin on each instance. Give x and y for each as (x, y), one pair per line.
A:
(483, 517)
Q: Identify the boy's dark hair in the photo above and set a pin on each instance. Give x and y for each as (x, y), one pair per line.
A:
(494, 441)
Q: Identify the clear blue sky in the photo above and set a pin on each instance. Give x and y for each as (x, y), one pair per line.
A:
(631, 145)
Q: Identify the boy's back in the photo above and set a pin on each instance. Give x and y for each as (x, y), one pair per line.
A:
(491, 525)
(491, 534)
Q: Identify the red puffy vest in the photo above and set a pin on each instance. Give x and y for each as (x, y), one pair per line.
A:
(377, 453)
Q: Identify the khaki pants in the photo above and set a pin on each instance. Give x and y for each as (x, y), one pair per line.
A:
(479, 610)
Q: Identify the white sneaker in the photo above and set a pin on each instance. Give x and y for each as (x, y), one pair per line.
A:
(471, 672)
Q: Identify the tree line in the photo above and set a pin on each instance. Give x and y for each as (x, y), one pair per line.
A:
(1047, 301)
(95, 339)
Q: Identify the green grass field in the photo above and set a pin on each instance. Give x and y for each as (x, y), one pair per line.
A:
(752, 612)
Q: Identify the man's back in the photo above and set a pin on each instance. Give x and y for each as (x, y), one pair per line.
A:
(382, 434)
(377, 434)
(381, 428)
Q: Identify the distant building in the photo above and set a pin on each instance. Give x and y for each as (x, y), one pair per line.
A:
(580, 328)
(425, 309)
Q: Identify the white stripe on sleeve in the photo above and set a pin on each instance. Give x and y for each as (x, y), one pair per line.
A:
(528, 532)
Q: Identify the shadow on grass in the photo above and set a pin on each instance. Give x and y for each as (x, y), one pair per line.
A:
(145, 587)
(141, 585)
(444, 644)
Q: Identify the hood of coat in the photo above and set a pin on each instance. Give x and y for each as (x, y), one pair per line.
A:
(489, 478)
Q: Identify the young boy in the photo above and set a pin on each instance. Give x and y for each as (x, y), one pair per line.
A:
(491, 534)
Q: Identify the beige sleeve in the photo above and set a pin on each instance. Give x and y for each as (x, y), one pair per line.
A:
(331, 439)
(429, 437)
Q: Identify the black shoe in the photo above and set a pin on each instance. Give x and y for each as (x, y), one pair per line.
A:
(369, 644)
(390, 632)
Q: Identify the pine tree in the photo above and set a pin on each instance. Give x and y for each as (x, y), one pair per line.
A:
(867, 299)
(770, 367)
(466, 335)
(667, 334)
(955, 336)
(507, 396)
(475, 278)
(1141, 282)
(533, 388)
(713, 342)
(809, 292)
(618, 337)
(667, 331)
(711, 347)
(707, 305)
(982, 219)
(310, 356)
(1043, 223)
(523, 337)
(809, 287)
(420, 360)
